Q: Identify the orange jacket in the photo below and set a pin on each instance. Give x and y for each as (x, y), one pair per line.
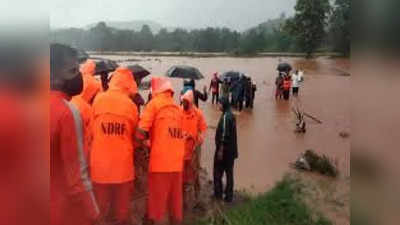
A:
(115, 120)
(90, 88)
(86, 113)
(194, 125)
(88, 68)
(162, 119)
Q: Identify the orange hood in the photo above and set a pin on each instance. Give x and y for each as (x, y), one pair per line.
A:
(91, 87)
(188, 96)
(88, 68)
(122, 80)
(160, 85)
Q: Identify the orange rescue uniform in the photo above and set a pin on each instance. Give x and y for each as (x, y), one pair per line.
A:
(90, 88)
(194, 125)
(112, 155)
(162, 121)
(166, 137)
(115, 119)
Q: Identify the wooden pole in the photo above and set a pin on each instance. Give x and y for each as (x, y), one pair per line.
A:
(312, 117)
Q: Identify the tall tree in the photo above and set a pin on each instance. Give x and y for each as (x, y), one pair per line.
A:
(340, 26)
(100, 37)
(146, 38)
(308, 24)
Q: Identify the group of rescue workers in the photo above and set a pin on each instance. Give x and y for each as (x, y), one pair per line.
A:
(285, 82)
(94, 133)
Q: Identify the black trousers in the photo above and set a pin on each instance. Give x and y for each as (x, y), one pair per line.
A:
(215, 97)
(240, 105)
(295, 91)
(248, 101)
(221, 168)
(286, 94)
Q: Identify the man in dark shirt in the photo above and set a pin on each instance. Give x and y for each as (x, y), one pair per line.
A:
(226, 152)
(191, 85)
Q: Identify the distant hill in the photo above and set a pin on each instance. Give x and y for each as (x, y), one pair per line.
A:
(135, 25)
(269, 26)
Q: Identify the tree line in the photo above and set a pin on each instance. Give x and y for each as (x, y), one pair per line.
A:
(316, 25)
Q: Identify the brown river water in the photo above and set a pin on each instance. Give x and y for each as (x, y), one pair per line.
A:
(266, 138)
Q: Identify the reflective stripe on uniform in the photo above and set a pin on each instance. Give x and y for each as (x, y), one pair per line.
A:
(224, 129)
(82, 160)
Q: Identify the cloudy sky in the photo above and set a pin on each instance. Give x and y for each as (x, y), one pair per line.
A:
(236, 14)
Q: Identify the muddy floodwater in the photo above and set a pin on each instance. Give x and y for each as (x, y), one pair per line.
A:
(266, 138)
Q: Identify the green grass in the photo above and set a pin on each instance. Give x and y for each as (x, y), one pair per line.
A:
(279, 206)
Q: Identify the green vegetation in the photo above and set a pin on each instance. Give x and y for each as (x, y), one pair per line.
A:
(308, 24)
(312, 29)
(280, 206)
(321, 164)
(339, 33)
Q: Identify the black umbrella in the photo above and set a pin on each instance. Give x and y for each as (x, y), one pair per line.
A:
(284, 67)
(82, 56)
(231, 75)
(138, 71)
(105, 66)
(185, 72)
(112, 65)
(145, 84)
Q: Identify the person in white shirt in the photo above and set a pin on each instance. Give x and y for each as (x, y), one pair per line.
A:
(297, 78)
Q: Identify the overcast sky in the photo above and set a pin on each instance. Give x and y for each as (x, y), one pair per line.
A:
(235, 14)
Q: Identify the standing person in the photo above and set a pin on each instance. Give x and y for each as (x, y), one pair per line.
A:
(279, 85)
(161, 123)
(187, 85)
(191, 85)
(225, 89)
(112, 155)
(84, 101)
(199, 95)
(297, 78)
(71, 195)
(248, 92)
(214, 87)
(286, 87)
(241, 92)
(226, 152)
(194, 127)
(234, 89)
(88, 70)
(253, 91)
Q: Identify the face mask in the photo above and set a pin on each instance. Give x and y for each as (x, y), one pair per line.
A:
(74, 86)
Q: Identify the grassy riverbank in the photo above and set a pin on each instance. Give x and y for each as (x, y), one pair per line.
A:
(282, 205)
